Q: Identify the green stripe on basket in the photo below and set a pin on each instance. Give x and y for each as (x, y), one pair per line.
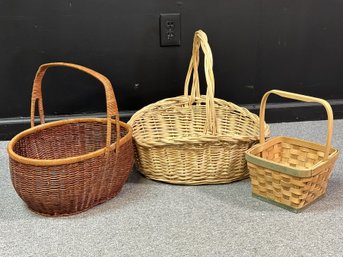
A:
(289, 208)
(284, 206)
(304, 173)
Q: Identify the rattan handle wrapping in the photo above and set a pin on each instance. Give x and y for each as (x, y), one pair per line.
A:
(200, 39)
(299, 98)
(111, 103)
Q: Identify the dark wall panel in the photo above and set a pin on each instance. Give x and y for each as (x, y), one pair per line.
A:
(301, 47)
(257, 45)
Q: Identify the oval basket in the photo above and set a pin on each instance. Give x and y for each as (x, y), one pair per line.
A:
(68, 166)
(194, 139)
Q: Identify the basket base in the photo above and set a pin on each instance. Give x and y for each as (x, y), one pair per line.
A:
(193, 182)
(284, 206)
(71, 213)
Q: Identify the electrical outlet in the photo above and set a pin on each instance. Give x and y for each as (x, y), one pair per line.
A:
(170, 29)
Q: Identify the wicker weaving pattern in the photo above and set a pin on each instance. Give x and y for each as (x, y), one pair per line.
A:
(68, 166)
(290, 171)
(66, 140)
(289, 190)
(194, 139)
(169, 122)
(293, 155)
(196, 164)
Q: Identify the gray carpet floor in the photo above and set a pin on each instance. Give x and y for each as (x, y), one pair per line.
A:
(156, 219)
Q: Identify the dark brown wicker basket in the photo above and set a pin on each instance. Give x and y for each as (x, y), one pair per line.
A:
(68, 166)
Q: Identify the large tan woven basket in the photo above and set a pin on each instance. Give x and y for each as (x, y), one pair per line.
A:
(194, 139)
(68, 166)
(291, 172)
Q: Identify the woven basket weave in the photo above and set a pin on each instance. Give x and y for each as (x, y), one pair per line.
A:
(291, 172)
(194, 139)
(68, 166)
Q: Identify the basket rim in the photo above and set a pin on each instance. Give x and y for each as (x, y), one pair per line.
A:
(201, 138)
(68, 160)
(298, 172)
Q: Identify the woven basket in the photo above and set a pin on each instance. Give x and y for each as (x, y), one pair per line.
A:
(194, 139)
(68, 166)
(291, 172)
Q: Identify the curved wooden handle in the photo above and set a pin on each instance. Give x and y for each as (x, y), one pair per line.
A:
(200, 39)
(303, 98)
(111, 103)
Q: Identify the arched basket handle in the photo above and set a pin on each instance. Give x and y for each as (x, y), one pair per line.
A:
(303, 98)
(111, 103)
(200, 40)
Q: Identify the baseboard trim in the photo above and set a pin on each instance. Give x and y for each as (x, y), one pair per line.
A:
(276, 112)
(9, 127)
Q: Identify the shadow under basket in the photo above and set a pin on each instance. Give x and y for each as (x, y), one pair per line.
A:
(289, 172)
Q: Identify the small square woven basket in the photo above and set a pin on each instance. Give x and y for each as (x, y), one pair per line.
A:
(290, 172)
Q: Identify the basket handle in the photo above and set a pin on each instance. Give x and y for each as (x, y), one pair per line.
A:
(303, 98)
(111, 103)
(200, 39)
